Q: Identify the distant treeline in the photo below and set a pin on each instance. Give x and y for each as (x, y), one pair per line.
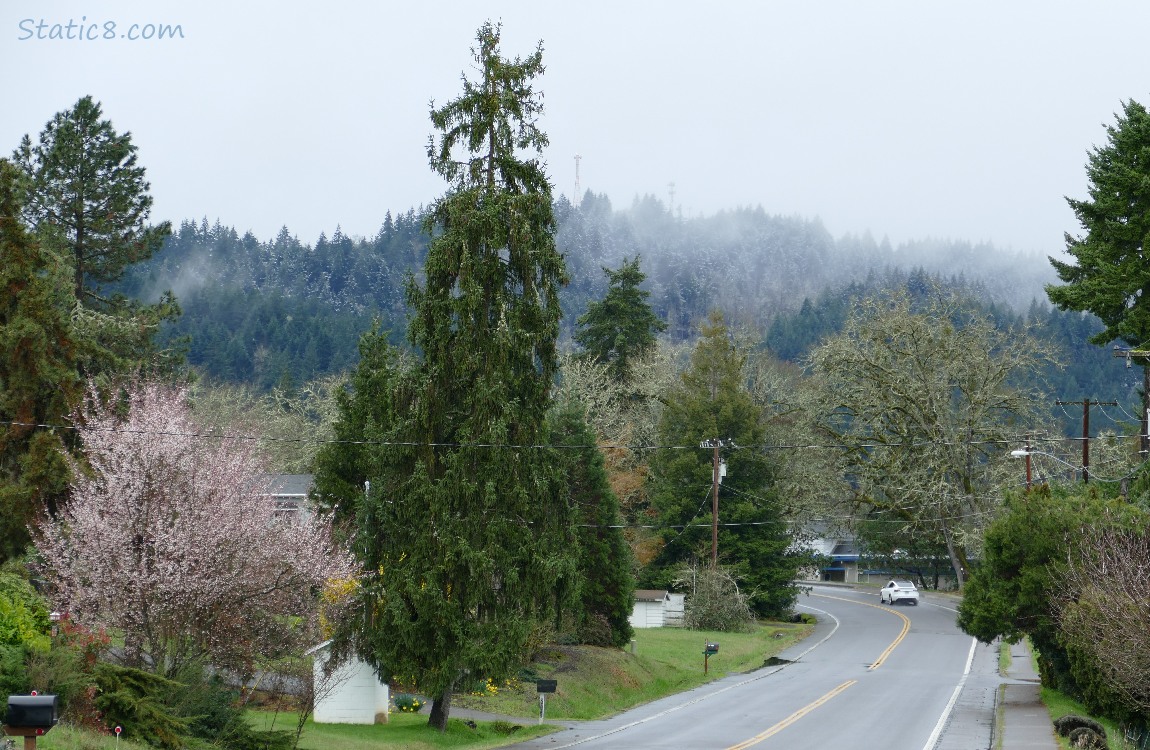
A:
(269, 312)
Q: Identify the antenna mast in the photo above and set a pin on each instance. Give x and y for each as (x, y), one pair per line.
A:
(578, 197)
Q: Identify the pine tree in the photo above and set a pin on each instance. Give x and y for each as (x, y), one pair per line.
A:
(38, 377)
(1110, 274)
(711, 402)
(86, 196)
(621, 327)
(465, 530)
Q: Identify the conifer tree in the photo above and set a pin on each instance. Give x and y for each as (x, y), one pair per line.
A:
(712, 402)
(621, 327)
(86, 184)
(466, 535)
(86, 196)
(38, 376)
(606, 583)
(1110, 273)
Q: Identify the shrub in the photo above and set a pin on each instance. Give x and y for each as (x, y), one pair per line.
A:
(1067, 724)
(408, 703)
(716, 603)
(1086, 737)
(213, 713)
(130, 698)
(13, 673)
(23, 615)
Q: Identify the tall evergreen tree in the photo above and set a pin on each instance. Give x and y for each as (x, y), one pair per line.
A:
(606, 583)
(86, 196)
(1111, 269)
(621, 327)
(711, 402)
(38, 377)
(465, 533)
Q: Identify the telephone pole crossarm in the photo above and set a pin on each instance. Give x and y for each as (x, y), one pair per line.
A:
(718, 471)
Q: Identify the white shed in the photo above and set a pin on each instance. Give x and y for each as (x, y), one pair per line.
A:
(352, 694)
(650, 610)
(675, 610)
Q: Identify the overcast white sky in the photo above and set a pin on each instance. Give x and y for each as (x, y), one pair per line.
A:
(908, 119)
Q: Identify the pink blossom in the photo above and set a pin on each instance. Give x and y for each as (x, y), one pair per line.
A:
(170, 540)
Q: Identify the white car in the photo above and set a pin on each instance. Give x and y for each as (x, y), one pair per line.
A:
(898, 591)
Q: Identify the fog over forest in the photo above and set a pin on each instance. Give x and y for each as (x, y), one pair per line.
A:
(266, 312)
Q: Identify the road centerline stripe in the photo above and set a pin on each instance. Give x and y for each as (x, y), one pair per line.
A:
(792, 718)
(905, 627)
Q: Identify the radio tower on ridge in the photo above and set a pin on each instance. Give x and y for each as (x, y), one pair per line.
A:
(577, 197)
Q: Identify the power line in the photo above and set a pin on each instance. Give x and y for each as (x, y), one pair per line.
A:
(1004, 442)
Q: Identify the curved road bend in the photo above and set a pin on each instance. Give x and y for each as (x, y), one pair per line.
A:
(871, 676)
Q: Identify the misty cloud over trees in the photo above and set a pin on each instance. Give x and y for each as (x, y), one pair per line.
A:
(265, 310)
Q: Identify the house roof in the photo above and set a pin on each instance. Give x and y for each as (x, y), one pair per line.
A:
(651, 595)
(289, 485)
(317, 648)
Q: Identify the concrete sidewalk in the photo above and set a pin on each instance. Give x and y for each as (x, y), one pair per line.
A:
(1025, 723)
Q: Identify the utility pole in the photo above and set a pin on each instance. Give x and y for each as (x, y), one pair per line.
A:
(1086, 404)
(1127, 353)
(718, 471)
(1028, 464)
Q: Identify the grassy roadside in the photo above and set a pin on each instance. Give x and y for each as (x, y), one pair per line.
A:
(591, 683)
(1057, 705)
(595, 682)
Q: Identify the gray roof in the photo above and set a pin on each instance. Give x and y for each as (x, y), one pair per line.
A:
(289, 485)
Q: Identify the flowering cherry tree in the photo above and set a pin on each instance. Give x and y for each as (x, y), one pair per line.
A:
(170, 539)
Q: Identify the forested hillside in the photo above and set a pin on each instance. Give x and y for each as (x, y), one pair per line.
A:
(266, 311)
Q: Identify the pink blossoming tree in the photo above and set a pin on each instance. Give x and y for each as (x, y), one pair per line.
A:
(170, 540)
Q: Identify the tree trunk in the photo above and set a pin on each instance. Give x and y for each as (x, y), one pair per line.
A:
(440, 710)
(1144, 417)
(955, 562)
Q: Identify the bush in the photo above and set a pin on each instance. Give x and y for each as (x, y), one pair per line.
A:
(130, 698)
(1088, 738)
(408, 703)
(13, 673)
(213, 713)
(23, 615)
(1067, 724)
(716, 603)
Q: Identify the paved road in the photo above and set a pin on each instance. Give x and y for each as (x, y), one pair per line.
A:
(871, 676)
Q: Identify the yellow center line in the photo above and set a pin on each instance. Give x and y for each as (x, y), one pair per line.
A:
(812, 706)
(905, 626)
(792, 718)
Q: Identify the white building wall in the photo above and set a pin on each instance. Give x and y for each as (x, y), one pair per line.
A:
(352, 694)
(647, 615)
(675, 610)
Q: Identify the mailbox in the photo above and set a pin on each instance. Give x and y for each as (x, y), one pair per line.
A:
(546, 686)
(712, 649)
(32, 711)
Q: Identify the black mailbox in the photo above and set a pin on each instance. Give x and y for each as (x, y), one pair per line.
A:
(711, 649)
(546, 686)
(32, 711)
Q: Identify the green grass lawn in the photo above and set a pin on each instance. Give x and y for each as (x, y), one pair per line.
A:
(1059, 705)
(593, 683)
(401, 732)
(63, 737)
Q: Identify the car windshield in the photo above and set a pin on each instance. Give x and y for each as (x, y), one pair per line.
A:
(904, 584)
